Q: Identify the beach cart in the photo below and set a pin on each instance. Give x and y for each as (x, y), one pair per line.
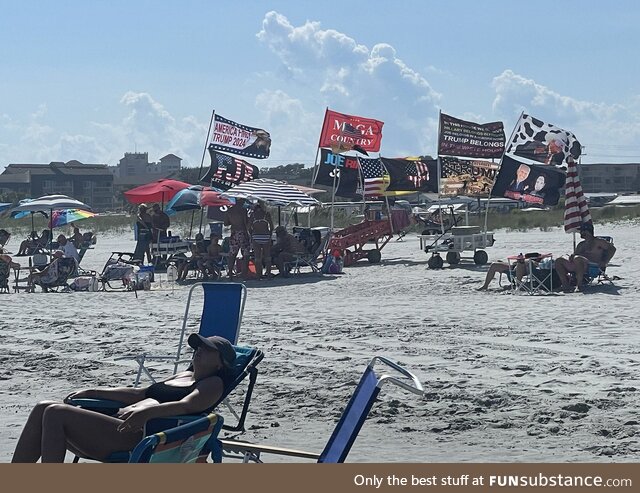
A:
(376, 231)
(454, 243)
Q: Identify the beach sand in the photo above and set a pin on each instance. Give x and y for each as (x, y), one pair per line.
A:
(507, 378)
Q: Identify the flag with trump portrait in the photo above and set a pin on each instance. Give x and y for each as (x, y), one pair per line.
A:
(534, 184)
(236, 138)
(542, 142)
(342, 132)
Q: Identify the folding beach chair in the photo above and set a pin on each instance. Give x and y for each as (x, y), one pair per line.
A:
(349, 425)
(5, 270)
(57, 275)
(222, 311)
(180, 439)
(315, 249)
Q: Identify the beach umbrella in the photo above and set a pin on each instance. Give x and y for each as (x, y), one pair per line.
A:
(49, 203)
(196, 197)
(4, 205)
(66, 216)
(157, 191)
(576, 210)
(273, 192)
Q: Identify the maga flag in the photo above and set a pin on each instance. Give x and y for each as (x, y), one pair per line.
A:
(469, 139)
(227, 171)
(411, 174)
(347, 132)
(542, 142)
(529, 183)
(236, 138)
(345, 171)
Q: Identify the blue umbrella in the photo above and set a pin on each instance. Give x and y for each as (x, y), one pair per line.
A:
(195, 197)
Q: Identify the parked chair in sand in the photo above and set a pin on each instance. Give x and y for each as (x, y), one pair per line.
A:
(55, 275)
(222, 310)
(315, 244)
(349, 425)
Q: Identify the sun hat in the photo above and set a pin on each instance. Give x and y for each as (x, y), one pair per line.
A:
(220, 344)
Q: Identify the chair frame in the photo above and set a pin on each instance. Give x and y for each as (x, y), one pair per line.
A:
(308, 259)
(231, 333)
(347, 428)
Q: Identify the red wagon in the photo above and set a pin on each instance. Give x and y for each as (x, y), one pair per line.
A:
(351, 241)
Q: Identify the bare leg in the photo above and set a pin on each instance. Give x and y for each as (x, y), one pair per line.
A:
(28, 447)
(258, 254)
(582, 266)
(93, 434)
(491, 274)
(266, 255)
(231, 263)
(562, 268)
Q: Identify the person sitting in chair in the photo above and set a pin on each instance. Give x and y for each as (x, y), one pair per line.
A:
(67, 248)
(210, 263)
(285, 249)
(590, 249)
(55, 427)
(198, 251)
(520, 271)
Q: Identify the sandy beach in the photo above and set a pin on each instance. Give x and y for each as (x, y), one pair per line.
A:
(507, 378)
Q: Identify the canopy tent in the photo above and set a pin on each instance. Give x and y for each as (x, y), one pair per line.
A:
(157, 191)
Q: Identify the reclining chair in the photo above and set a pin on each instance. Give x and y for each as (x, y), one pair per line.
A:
(55, 275)
(222, 311)
(349, 425)
(246, 362)
(315, 245)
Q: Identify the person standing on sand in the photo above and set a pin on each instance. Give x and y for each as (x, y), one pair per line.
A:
(261, 228)
(237, 217)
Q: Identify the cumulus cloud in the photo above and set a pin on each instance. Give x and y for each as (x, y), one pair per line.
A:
(597, 125)
(353, 78)
(146, 125)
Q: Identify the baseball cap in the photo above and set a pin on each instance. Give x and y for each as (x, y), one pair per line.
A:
(220, 344)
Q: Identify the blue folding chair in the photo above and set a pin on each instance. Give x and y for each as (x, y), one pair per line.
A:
(222, 311)
(246, 362)
(349, 425)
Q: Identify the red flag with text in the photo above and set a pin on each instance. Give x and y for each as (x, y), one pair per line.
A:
(351, 131)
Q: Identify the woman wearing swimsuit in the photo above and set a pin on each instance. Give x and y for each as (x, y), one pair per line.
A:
(260, 228)
(53, 428)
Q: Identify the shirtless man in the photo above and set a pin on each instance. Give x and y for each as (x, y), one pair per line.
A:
(260, 228)
(238, 219)
(591, 249)
(210, 263)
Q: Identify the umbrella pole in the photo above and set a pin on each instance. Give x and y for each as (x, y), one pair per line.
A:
(278, 215)
(201, 216)
(193, 213)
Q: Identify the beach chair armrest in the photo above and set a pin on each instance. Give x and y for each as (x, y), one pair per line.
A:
(240, 447)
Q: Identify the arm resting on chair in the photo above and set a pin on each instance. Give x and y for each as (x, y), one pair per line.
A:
(125, 395)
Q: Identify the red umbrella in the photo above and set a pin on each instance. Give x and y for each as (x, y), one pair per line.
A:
(157, 191)
(576, 210)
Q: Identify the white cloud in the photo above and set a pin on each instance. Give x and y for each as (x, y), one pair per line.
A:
(146, 125)
(604, 129)
(352, 78)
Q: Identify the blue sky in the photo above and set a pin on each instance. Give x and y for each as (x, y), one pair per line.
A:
(91, 80)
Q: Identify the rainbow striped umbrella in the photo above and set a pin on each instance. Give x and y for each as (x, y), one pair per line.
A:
(66, 216)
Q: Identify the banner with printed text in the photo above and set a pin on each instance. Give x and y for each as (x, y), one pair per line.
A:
(468, 139)
(227, 171)
(341, 171)
(348, 131)
(229, 136)
(465, 177)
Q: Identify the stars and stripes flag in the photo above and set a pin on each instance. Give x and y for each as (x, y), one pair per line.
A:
(576, 210)
(417, 172)
(373, 177)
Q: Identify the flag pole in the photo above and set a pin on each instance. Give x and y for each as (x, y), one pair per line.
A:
(314, 176)
(204, 151)
(439, 171)
(386, 197)
(486, 215)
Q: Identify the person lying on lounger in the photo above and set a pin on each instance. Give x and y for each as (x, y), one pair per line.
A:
(53, 428)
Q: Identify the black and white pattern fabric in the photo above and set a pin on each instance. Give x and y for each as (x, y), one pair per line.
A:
(542, 142)
(48, 203)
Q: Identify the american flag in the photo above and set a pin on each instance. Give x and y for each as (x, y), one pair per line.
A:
(373, 175)
(350, 131)
(417, 172)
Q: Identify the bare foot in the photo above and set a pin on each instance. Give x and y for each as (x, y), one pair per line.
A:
(482, 288)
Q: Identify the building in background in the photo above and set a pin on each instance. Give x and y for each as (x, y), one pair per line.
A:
(88, 183)
(610, 178)
(135, 169)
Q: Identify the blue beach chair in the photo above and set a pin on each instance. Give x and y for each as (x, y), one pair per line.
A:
(222, 311)
(349, 425)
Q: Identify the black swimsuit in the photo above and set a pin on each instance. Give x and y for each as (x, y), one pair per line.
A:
(168, 393)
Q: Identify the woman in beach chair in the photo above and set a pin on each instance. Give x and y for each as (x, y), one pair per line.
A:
(54, 275)
(513, 273)
(53, 428)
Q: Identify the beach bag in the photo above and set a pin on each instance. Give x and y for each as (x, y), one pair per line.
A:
(85, 283)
